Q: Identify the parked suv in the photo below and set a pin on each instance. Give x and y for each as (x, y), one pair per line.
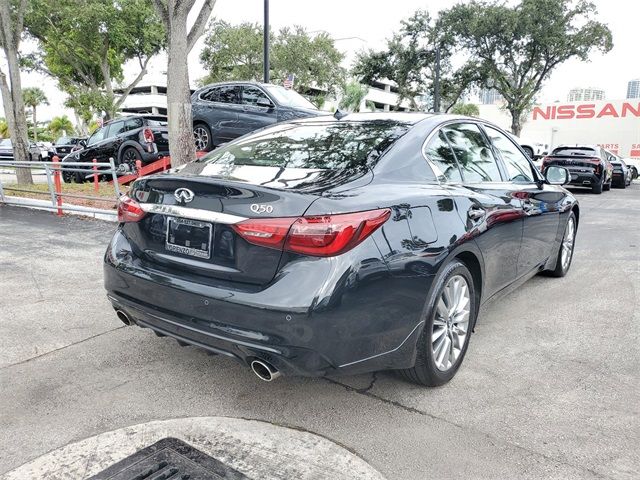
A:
(588, 165)
(225, 111)
(126, 140)
(65, 145)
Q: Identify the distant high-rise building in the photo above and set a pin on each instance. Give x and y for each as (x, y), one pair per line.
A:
(585, 94)
(633, 88)
(490, 96)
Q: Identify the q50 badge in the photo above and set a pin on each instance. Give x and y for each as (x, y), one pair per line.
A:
(261, 208)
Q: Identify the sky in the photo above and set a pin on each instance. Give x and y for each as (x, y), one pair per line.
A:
(362, 24)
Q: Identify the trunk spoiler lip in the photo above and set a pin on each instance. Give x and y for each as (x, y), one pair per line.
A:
(192, 213)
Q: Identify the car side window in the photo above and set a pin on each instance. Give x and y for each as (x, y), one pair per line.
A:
(132, 124)
(116, 129)
(518, 167)
(439, 152)
(473, 153)
(253, 95)
(97, 136)
(225, 94)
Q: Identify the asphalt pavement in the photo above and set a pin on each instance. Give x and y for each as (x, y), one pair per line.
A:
(549, 387)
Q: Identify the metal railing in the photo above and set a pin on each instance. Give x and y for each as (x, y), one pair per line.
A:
(54, 171)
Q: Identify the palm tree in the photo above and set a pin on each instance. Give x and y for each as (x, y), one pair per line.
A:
(33, 97)
(352, 95)
(60, 126)
(4, 128)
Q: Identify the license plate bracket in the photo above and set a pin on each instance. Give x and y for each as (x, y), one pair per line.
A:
(189, 237)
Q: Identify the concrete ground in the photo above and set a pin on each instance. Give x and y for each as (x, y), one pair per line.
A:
(549, 387)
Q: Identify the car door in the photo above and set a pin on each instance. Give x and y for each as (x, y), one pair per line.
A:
(220, 108)
(540, 202)
(492, 216)
(94, 144)
(111, 143)
(258, 110)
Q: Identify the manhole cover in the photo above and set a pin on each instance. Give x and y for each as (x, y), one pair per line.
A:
(169, 459)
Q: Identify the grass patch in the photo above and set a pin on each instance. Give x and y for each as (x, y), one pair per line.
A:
(41, 191)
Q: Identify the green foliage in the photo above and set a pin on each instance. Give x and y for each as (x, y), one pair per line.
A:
(410, 59)
(34, 97)
(60, 125)
(85, 45)
(4, 128)
(518, 47)
(234, 52)
(353, 94)
(468, 109)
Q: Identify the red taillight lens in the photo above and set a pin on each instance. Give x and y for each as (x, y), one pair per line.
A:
(148, 135)
(129, 210)
(321, 236)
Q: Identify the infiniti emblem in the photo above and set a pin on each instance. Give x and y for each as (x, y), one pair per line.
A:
(183, 195)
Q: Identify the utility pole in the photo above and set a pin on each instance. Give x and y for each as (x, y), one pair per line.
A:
(265, 60)
(436, 82)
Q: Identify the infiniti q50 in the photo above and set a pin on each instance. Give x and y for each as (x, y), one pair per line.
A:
(326, 245)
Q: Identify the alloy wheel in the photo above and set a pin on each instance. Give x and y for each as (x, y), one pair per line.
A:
(129, 158)
(451, 323)
(201, 137)
(567, 243)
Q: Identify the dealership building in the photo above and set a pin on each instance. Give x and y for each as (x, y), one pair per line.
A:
(613, 124)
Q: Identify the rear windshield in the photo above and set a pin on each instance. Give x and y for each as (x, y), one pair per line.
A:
(575, 151)
(156, 123)
(318, 145)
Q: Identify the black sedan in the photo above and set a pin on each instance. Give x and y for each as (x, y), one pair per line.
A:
(321, 246)
(225, 111)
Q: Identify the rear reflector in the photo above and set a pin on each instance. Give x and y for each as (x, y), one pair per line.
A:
(321, 235)
(129, 210)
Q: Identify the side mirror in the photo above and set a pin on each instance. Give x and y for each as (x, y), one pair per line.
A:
(557, 175)
(264, 103)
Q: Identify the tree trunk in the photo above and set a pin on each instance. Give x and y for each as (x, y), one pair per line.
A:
(14, 110)
(35, 125)
(181, 145)
(516, 125)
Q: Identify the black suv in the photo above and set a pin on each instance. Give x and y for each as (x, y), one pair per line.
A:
(65, 145)
(225, 111)
(126, 140)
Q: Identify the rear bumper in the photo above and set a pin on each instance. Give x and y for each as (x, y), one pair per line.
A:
(297, 323)
(582, 179)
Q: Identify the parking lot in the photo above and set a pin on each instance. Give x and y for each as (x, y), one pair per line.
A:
(549, 387)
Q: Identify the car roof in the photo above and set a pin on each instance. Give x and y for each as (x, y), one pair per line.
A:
(137, 115)
(239, 82)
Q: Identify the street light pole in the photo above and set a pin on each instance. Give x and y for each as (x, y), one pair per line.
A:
(265, 61)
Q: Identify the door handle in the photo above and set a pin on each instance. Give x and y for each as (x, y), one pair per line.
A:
(476, 213)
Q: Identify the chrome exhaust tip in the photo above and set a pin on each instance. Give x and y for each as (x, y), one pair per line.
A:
(124, 318)
(264, 370)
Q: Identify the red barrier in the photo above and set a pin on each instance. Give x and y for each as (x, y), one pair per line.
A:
(57, 184)
(96, 187)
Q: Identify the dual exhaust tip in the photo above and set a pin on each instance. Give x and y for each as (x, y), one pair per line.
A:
(263, 370)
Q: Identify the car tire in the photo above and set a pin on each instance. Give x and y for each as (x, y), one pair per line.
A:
(130, 156)
(529, 152)
(566, 249)
(67, 177)
(598, 188)
(202, 137)
(634, 173)
(440, 335)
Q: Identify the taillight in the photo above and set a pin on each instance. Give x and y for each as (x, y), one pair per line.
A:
(320, 235)
(148, 135)
(129, 210)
